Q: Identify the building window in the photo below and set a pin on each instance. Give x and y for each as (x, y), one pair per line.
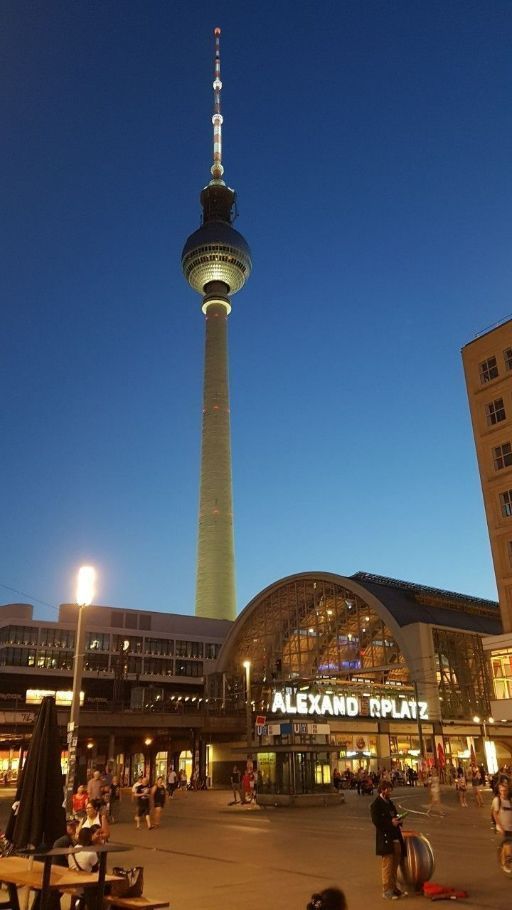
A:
(501, 668)
(96, 662)
(502, 456)
(18, 635)
(211, 650)
(57, 638)
(97, 641)
(189, 648)
(188, 668)
(160, 647)
(17, 657)
(144, 622)
(54, 660)
(506, 503)
(507, 356)
(134, 644)
(495, 411)
(153, 666)
(488, 370)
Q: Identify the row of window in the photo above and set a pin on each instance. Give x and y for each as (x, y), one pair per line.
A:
(101, 642)
(489, 368)
(63, 660)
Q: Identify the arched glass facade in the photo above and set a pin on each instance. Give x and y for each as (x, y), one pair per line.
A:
(312, 630)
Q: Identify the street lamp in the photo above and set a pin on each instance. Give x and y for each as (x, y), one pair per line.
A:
(248, 706)
(84, 597)
(489, 747)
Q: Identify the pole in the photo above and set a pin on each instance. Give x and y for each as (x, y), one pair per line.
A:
(420, 726)
(248, 705)
(75, 706)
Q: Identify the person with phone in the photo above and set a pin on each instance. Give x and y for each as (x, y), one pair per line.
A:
(389, 843)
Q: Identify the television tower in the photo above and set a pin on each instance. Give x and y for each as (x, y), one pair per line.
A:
(216, 262)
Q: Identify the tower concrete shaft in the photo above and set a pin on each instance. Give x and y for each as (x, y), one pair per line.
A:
(216, 262)
(215, 580)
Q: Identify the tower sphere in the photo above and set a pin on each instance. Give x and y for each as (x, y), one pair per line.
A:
(216, 252)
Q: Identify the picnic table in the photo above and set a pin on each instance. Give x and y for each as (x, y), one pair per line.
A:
(19, 871)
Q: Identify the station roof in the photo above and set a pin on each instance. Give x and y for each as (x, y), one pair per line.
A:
(409, 603)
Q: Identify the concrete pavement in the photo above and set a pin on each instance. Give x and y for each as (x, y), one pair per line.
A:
(209, 855)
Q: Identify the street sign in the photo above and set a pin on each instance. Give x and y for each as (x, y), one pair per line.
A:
(261, 720)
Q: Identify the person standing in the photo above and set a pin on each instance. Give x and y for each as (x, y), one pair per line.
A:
(172, 781)
(79, 802)
(95, 786)
(461, 786)
(158, 795)
(476, 783)
(236, 783)
(115, 797)
(502, 810)
(389, 843)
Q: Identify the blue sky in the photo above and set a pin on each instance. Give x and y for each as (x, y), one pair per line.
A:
(369, 143)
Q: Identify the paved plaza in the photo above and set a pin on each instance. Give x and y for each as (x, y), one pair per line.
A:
(209, 855)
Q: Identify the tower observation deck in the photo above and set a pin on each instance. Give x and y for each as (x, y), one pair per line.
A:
(216, 262)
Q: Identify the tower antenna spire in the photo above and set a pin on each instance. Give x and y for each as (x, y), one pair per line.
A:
(217, 169)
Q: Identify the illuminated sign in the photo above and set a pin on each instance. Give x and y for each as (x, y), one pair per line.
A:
(63, 697)
(347, 706)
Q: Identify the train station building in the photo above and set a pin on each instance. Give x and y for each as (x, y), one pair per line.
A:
(319, 670)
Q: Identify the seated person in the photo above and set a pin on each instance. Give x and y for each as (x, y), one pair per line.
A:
(84, 861)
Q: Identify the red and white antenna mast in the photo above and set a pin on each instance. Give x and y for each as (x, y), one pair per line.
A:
(216, 169)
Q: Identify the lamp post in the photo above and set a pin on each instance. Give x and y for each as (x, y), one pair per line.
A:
(84, 597)
(483, 722)
(248, 706)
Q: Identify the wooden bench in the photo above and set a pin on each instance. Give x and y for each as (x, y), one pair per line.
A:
(134, 903)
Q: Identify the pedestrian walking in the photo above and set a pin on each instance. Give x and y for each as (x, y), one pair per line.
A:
(389, 843)
(141, 794)
(476, 784)
(158, 795)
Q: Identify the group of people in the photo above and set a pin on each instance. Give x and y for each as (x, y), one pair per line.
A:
(149, 801)
(243, 784)
(474, 777)
(103, 788)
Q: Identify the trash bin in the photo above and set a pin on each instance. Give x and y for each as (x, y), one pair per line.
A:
(417, 865)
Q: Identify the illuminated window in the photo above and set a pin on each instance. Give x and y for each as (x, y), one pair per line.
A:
(507, 356)
(501, 668)
(495, 411)
(506, 503)
(502, 456)
(488, 370)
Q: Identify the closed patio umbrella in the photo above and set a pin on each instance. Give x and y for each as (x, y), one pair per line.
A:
(39, 817)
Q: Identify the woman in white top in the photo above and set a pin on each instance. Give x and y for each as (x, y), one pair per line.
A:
(95, 819)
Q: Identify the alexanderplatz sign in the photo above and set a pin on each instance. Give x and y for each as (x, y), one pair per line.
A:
(332, 705)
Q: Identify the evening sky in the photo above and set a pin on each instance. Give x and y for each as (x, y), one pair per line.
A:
(370, 147)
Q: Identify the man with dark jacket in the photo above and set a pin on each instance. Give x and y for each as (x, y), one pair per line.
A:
(389, 841)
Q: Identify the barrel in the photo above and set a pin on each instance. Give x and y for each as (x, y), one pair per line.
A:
(417, 865)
